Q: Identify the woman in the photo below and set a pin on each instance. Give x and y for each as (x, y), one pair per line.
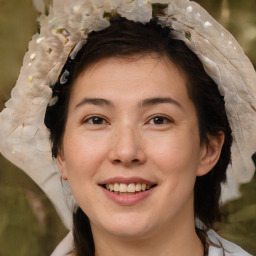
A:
(140, 134)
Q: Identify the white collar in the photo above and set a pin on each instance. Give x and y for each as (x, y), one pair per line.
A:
(226, 248)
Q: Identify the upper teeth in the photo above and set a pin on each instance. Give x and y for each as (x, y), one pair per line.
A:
(132, 187)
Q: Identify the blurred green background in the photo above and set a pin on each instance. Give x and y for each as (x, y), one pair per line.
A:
(29, 225)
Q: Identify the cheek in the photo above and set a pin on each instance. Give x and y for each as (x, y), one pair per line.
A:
(176, 152)
(84, 154)
(177, 158)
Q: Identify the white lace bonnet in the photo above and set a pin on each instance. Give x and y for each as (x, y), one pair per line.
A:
(24, 139)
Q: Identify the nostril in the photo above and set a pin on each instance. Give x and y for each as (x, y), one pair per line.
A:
(117, 161)
(134, 161)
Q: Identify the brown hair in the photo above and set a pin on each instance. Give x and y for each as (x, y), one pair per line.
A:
(125, 38)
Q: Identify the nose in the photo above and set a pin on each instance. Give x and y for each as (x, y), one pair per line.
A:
(127, 148)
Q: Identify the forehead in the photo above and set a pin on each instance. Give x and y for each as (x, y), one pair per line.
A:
(131, 76)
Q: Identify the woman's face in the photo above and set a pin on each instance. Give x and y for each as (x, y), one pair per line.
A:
(132, 128)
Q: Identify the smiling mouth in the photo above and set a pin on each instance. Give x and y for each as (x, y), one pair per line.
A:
(128, 189)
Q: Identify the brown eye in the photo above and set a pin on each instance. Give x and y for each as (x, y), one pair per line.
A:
(159, 120)
(95, 120)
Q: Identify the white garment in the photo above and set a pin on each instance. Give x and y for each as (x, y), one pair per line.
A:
(65, 247)
(227, 248)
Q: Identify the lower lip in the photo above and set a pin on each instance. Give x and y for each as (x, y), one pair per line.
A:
(128, 199)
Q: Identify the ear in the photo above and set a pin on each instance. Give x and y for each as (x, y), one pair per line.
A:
(62, 165)
(210, 153)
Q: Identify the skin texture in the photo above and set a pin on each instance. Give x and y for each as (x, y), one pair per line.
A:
(135, 137)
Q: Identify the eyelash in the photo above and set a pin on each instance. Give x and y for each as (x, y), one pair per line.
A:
(164, 119)
(102, 121)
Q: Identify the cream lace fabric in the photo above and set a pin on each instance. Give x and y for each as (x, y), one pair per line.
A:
(23, 135)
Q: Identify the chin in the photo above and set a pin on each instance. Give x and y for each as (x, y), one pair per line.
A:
(127, 227)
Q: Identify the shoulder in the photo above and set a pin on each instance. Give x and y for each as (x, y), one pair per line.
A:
(65, 247)
(226, 248)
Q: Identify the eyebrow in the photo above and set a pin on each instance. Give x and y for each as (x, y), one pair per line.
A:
(145, 103)
(159, 100)
(94, 101)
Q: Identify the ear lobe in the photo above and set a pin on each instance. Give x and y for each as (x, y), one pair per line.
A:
(210, 153)
(62, 166)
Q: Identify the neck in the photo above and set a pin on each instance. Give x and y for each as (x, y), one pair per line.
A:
(172, 240)
(151, 247)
